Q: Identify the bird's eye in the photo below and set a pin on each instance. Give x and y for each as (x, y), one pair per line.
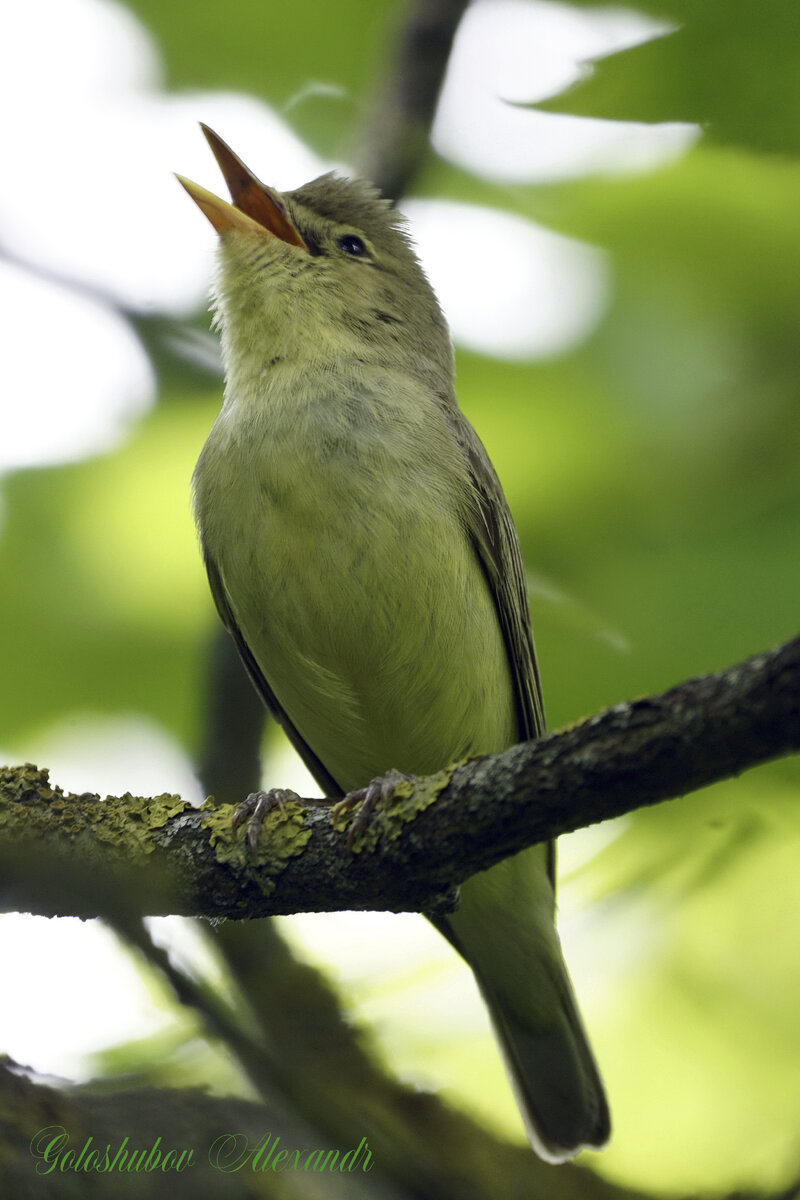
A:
(352, 245)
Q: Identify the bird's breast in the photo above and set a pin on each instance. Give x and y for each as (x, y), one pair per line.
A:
(336, 520)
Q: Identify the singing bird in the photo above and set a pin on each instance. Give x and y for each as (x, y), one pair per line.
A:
(362, 554)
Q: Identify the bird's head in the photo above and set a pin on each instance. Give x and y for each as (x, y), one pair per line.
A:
(324, 273)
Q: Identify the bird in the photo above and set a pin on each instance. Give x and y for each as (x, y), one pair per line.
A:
(361, 553)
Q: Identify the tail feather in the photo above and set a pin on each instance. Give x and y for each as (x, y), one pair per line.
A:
(505, 930)
(555, 1081)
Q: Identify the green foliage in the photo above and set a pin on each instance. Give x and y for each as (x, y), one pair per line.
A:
(320, 58)
(731, 66)
(108, 612)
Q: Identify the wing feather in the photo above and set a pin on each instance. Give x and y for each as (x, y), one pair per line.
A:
(492, 531)
(326, 781)
(491, 528)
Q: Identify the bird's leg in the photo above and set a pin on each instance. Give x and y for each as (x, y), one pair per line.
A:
(365, 799)
(256, 808)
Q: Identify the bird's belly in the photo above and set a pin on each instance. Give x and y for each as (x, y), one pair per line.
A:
(372, 621)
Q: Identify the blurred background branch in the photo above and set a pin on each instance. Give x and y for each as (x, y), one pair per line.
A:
(395, 128)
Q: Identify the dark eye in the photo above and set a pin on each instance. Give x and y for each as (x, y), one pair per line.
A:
(353, 245)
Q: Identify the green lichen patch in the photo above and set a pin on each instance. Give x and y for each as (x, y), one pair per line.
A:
(130, 820)
(284, 835)
(32, 805)
(409, 798)
(24, 784)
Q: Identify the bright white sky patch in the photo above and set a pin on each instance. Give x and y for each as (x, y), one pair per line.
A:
(94, 146)
(92, 198)
(80, 48)
(118, 219)
(508, 288)
(74, 375)
(102, 997)
(99, 997)
(113, 755)
(522, 51)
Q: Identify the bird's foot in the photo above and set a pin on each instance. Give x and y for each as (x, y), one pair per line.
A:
(256, 808)
(378, 791)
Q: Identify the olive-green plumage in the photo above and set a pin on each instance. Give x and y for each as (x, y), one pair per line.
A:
(362, 554)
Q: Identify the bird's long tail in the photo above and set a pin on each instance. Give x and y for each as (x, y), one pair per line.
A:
(505, 930)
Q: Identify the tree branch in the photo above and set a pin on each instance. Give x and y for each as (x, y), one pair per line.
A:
(65, 854)
(461, 1160)
(394, 137)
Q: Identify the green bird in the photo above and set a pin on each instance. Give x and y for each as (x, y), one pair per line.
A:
(362, 554)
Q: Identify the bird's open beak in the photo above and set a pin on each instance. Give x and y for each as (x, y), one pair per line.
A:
(255, 206)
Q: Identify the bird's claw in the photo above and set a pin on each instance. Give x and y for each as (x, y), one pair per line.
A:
(366, 799)
(256, 808)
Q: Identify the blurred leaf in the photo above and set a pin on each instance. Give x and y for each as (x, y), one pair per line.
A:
(732, 67)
